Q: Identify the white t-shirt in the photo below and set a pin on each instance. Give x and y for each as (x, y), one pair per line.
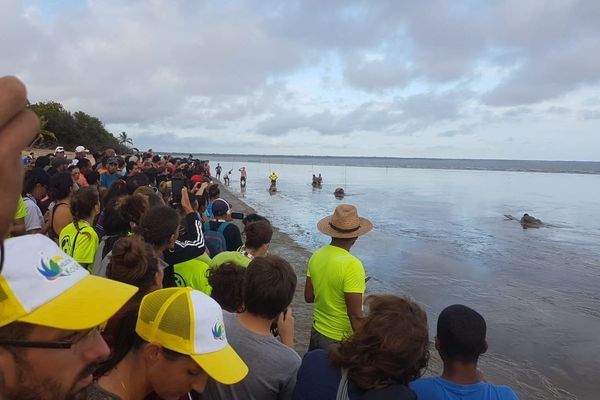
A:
(34, 218)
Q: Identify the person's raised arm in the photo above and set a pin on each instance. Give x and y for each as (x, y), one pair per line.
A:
(18, 128)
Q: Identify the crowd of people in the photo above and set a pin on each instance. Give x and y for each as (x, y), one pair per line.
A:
(126, 277)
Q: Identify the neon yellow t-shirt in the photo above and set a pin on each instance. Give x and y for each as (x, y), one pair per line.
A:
(82, 244)
(230, 256)
(21, 210)
(333, 271)
(193, 273)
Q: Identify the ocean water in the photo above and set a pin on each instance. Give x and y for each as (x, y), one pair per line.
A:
(440, 236)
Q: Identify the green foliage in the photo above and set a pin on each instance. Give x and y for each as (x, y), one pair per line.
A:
(73, 129)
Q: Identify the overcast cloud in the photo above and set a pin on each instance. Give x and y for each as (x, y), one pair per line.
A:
(483, 79)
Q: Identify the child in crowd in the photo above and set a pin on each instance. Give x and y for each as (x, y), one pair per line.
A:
(79, 239)
(460, 341)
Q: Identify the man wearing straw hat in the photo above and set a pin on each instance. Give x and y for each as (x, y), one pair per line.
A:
(335, 280)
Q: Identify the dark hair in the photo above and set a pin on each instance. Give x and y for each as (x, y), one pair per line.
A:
(83, 163)
(60, 186)
(253, 218)
(227, 282)
(461, 334)
(158, 224)
(258, 233)
(391, 346)
(124, 212)
(42, 161)
(83, 203)
(135, 181)
(117, 189)
(269, 286)
(133, 261)
(33, 177)
(213, 191)
(92, 177)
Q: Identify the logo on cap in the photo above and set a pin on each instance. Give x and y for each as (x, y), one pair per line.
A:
(218, 331)
(55, 267)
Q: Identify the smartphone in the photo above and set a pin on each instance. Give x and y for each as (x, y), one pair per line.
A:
(176, 186)
(237, 215)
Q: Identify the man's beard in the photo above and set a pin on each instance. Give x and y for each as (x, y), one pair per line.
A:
(35, 388)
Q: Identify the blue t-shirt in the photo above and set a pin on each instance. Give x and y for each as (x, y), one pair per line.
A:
(437, 388)
(106, 179)
(319, 380)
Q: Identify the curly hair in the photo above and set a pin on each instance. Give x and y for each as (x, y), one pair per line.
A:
(391, 346)
(227, 282)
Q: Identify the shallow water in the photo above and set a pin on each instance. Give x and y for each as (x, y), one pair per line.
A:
(440, 236)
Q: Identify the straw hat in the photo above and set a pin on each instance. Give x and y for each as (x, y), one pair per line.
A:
(344, 223)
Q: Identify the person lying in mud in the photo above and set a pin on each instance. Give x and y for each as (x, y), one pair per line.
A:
(339, 193)
(530, 221)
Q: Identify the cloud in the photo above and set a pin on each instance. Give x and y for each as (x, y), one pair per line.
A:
(263, 70)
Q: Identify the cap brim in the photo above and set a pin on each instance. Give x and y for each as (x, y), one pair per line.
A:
(89, 303)
(224, 366)
(324, 227)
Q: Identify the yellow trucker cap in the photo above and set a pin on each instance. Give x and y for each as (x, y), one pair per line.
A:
(42, 285)
(189, 322)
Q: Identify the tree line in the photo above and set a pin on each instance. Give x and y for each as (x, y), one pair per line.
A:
(60, 127)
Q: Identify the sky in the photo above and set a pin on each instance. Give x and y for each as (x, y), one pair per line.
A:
(505, 79)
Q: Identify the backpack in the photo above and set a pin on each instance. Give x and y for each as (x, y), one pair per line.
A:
(215, 240)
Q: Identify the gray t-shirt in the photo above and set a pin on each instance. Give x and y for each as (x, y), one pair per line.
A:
(272, 366)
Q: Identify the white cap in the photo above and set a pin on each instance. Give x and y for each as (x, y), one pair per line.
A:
(59, 149)
(42, 285)
(81, 149)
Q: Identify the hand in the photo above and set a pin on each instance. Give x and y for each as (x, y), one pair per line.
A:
(285, 327)
(185, 201)
(18, 128)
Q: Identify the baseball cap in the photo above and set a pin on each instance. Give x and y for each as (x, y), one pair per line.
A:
(189, 322)
(220, 207)
(81, 149)
(42, 285)
(59, 149)
(112, 160)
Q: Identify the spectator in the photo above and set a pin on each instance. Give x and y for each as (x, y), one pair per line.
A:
(59, 212)
(111, 174)
(220, 233)
(227, 284)
(387, 351)
(79, 239)
(50, 343)
(460, 341)
(179, 342)
(35, 188)
(335, 280)
(269, 287)
(85, 167)
(258, 239)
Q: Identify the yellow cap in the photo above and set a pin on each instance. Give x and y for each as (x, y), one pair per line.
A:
(42, 285)
(189, 322)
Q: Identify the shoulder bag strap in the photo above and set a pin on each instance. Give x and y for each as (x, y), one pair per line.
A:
(342, 392)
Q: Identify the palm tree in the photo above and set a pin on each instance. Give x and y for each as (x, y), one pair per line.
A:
(124, 139)
(44, 135)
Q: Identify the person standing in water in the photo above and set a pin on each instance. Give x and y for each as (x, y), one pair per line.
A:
(243, 176)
